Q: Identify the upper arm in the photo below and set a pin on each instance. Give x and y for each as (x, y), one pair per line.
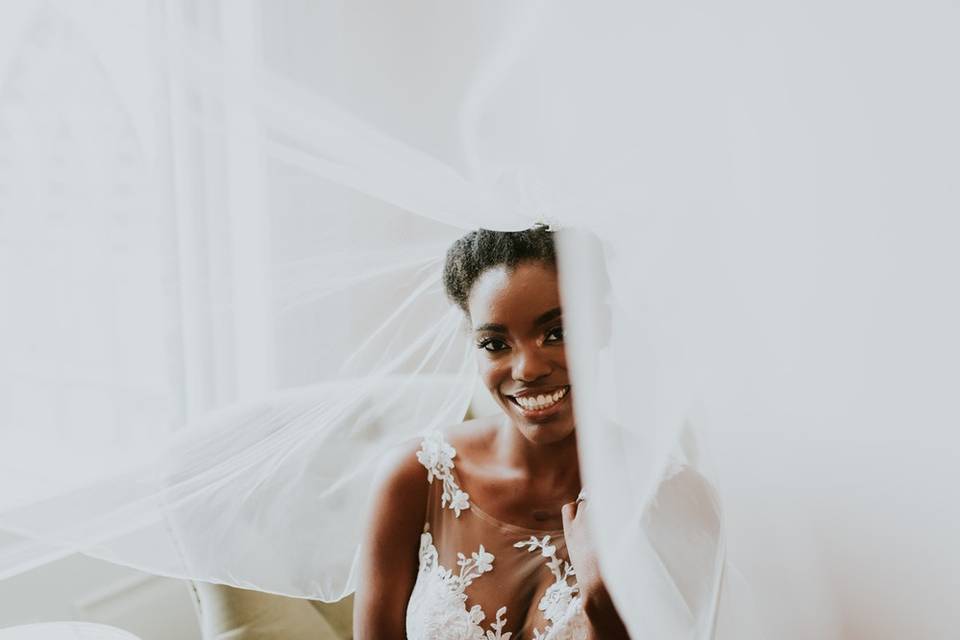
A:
(389, 550)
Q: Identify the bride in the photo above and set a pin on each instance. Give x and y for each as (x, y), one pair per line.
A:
(479, 530)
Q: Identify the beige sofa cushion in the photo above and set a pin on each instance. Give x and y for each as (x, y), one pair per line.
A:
(228, 613)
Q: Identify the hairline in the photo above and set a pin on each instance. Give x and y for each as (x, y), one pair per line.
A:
(510, 269)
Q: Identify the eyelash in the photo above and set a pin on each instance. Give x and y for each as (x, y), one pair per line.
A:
(483, 344)
(486, 342)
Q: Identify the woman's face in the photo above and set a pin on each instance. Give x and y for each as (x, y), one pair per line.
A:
(518, 331)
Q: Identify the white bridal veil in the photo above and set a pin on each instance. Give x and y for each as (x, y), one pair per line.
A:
(221, 231)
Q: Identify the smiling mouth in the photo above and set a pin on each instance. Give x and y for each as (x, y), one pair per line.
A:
(535, 403)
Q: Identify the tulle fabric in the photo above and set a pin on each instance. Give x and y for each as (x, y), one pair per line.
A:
(754, 208)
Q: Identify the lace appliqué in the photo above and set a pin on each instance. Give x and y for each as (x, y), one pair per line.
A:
(437, 456)
(561, 604)
(438, 607)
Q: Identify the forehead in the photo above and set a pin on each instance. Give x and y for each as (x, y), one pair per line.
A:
(514, 296)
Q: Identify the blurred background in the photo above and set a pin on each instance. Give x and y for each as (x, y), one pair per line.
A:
(140, 210)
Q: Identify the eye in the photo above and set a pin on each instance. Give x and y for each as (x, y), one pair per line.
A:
(554, 335)
(492, 344)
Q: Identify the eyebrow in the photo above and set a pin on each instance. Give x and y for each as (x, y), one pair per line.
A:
(543, 318)
(496, 328)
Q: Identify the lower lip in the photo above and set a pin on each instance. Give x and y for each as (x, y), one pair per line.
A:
(541, 415)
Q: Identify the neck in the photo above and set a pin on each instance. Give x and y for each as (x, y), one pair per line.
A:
(555, 463)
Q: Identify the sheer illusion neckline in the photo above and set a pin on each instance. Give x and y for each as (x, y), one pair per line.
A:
(500, 524)
(454, 598)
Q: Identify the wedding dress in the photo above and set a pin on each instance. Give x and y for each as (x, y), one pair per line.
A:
(483, 579)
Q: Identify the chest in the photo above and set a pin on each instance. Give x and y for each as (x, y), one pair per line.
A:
(520, 501)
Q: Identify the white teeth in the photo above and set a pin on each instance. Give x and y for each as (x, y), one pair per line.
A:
(540, 402)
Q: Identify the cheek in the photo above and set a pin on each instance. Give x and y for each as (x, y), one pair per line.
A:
(491, 372)
(562, 358)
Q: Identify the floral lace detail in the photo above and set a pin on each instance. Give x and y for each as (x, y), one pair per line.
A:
(572, 625)
(560, 603)
(437, 456)
(438, 607)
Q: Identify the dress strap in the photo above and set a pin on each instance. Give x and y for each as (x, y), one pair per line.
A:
(437, 456)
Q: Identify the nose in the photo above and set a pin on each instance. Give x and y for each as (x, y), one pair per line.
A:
(530, 364)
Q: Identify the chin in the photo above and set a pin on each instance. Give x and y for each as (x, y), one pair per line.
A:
(541, 427)
(546, 433)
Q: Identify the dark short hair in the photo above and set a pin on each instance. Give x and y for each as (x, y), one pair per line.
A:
(483, 249)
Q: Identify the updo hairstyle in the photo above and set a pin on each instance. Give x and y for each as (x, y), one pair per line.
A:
(479, 250)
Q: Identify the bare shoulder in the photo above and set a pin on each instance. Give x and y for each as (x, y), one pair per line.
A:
(401, 479)
(401, 474)
(402, 483)
(473, 439)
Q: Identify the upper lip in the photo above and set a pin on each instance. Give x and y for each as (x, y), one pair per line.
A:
(537, 391)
